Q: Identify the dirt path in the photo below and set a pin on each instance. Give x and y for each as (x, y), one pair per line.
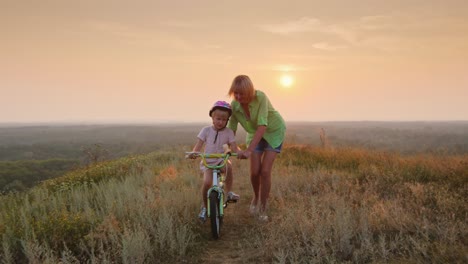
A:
(228, 248)
(236, 243)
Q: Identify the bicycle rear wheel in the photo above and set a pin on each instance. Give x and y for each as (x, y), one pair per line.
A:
(215, 217)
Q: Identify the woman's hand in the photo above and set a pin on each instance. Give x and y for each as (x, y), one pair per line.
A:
(245, 154)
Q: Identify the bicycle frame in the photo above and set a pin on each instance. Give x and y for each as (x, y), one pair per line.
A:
(216, 191)
(217, 185)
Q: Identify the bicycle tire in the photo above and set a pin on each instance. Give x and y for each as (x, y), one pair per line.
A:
(215, 217)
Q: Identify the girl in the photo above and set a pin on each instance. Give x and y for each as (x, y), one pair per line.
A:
(214, 137)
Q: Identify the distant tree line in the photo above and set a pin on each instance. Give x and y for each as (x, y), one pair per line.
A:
(18, 176)
(31, 154)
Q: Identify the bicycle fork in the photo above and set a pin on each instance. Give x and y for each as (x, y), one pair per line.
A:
(217, 187)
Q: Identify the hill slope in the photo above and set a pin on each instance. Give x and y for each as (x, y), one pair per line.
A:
(326, 206)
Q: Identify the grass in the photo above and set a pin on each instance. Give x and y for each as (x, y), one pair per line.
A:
(360, 206)
(139, 211)
(326, 205)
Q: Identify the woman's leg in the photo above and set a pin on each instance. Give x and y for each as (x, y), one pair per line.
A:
(255, 167)
(265, 177)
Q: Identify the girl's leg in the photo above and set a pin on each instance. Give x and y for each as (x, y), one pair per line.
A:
(229, 177)
(228, 183)
(207, 181)
(265, 178)
(255, 167)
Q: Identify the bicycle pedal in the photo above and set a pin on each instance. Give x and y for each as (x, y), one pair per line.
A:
(231, 201)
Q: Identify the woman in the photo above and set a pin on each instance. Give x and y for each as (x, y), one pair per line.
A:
(265, 134)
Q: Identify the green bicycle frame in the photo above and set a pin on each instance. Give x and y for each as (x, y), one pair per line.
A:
(216, 176)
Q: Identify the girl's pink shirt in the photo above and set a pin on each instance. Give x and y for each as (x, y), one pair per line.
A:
(208, 135)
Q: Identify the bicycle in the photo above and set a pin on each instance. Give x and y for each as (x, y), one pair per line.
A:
(215, 194)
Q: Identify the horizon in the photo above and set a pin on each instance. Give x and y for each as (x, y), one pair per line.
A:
(159, 61)
(154, 123)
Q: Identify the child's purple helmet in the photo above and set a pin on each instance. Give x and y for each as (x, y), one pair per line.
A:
(222, 105)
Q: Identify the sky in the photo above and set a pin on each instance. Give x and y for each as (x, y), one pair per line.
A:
(169, 61)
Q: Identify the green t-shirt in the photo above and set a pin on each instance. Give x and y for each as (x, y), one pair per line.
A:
(262, 113)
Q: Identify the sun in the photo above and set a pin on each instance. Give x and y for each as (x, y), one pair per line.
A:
(286, 80)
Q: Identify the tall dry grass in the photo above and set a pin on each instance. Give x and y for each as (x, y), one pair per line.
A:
(350, 205)
(135, 210)
(326, 206)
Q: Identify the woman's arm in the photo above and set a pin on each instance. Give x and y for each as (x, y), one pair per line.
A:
(256, 139)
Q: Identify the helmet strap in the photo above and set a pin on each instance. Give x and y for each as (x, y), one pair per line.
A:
(216, 137)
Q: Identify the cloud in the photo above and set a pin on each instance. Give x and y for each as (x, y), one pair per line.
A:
(112, 28)
(139, 36)
(286, 67)
(212, 46)
(180, 24)
(357, 32)
(314, 25)
(327, 46)
(304, 24)
(378, 22)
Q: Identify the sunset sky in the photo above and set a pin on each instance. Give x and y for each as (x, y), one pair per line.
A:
(164, 61)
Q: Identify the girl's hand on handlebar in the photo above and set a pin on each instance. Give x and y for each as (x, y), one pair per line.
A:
(192, 155)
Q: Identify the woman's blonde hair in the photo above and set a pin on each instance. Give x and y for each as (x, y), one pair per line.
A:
(242, 84)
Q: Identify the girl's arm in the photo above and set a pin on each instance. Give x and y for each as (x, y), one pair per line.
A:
(198, 146)
(234, 148)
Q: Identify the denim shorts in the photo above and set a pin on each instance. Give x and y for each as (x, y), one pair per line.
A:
(264, 146)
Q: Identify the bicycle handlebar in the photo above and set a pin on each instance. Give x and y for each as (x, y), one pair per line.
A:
(210, 155)
(204, 156)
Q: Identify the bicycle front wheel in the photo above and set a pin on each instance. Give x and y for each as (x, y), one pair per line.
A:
(215, 214)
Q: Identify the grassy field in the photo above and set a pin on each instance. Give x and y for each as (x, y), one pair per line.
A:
(333, 204)
(326, 206)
